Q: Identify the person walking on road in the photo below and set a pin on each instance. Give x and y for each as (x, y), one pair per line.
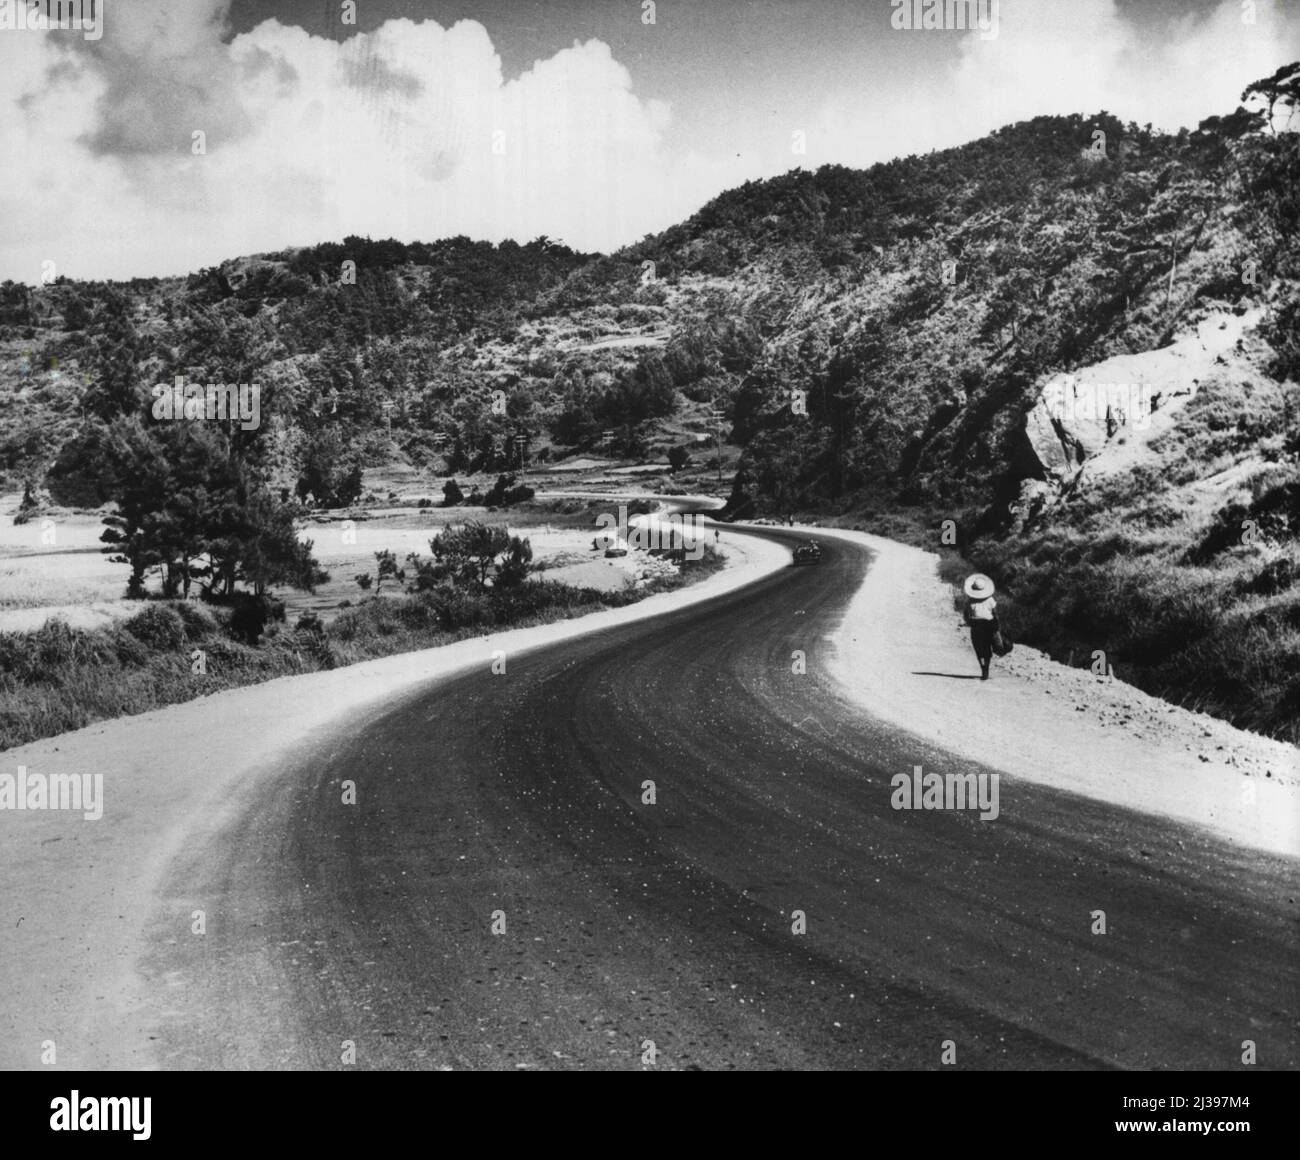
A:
(981, 615)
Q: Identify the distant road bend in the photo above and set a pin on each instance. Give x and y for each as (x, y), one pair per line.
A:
(517, 802)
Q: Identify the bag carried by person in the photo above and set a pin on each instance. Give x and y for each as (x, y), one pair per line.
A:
(1001, 644)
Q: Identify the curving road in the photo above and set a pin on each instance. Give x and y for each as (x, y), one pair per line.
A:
(672, 922)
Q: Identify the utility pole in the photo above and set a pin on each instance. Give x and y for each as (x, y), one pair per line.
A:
(521, 442)
(717, 418)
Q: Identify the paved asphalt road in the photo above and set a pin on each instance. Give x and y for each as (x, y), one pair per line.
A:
(626, 922)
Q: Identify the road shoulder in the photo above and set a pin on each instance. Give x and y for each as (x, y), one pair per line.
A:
(902, 654)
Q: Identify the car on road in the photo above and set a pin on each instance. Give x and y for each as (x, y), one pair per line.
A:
(809, 553)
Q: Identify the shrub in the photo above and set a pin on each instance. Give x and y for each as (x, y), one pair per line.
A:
(17, 656)
(198, 621)
(428, 573)
(347, 627)
(387, 569)
(320, 650)
(226, 654)
(251, 615)
(470, 552)
(455, 607)
(57, 645)
(1277, 575)
(159, 626)
(516, 565)
(309, 622)
(506, 492)
(418, 615)
(130, 651)
(1105, 548)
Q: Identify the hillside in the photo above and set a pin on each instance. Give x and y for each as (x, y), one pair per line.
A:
(1067, 351)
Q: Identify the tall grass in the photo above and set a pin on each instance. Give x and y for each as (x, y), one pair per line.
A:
(60, 678)
(1222, 638)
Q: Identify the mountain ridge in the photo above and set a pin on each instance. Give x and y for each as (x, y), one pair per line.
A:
(879, 342)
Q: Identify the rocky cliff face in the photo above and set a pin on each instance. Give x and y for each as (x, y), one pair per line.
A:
(1099, 419)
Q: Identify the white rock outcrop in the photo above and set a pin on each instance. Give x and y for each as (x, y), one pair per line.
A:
(1110, 411)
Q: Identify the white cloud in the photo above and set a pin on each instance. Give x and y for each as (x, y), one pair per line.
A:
(410, 131)
(1059, 57)
(392, 133)
(1080, 56)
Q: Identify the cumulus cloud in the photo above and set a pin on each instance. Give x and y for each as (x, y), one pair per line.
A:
(1059, 57)
(164, 68)
(412, 130)
(1062, 56)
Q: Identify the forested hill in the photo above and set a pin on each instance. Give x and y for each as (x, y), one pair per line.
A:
(880, 343)
(919, 304)
(916, 304)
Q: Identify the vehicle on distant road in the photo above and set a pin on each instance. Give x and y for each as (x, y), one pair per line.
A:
(809, 553)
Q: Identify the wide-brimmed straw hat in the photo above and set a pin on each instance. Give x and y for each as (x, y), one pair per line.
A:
(978, 587)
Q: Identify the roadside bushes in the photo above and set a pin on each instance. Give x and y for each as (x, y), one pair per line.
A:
(1272, 516)
(1219, 636)
(1247, 671)
(310, 634)
(321, 651)
(1139, 607)
(56, 647)
(1276, 575)
(449, 608)
(251, 616)
(309, 622)
(20, 654)
(158, 625)
(196, 619)
(59, 678)
(506, 492)
(131, 652)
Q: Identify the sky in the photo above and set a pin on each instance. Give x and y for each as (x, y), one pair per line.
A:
(180, 133)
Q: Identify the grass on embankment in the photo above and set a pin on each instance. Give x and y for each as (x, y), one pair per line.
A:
(1220, 637)
(59, 678)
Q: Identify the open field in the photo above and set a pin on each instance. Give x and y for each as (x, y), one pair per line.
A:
(54, 565)
(74, 651)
